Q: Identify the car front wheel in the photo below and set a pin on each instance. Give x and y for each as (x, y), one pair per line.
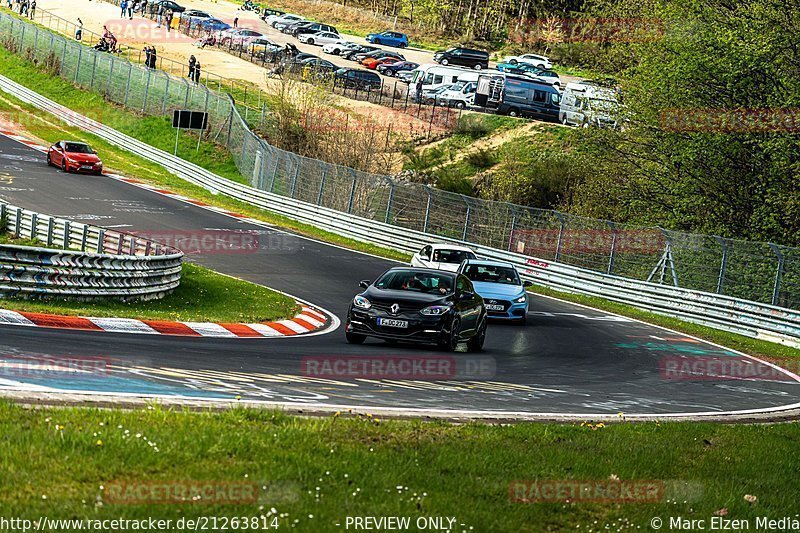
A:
(64, 165)
(354, 338)
(475, 344)
(449, 341)
(445, 62)
(49, 162)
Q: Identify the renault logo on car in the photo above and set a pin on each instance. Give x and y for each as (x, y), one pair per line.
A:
(395, 308)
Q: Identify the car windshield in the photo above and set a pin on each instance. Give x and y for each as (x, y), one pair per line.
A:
(78, 148)
(409, 280)
(457, 86)
(444, 255)
(492, 274)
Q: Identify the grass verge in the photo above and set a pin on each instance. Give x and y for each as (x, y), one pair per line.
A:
(311, 474)
(202, 296)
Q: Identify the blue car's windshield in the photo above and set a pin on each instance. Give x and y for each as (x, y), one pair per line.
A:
(492, 274)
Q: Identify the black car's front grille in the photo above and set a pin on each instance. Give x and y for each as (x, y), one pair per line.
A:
(404, 308)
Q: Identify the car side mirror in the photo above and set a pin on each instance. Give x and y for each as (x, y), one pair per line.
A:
(527, 284)
(364, 283)
(94, 152)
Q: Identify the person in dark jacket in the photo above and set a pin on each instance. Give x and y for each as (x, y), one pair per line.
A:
(192, 67)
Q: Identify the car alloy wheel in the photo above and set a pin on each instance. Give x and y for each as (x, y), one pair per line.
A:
(450, 339)
(353, 338)
(310, 41)
(49, 162)
(476, 342)
(478, 66)
(64, 165)
(445, 62)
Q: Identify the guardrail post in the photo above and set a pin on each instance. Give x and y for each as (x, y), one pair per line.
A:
(613, 253)
(66, 241)
(49, 232)
(427, 209)
(723, 267)
(389, 200)
(18, 222)
(101, 241)
(352, 193)
(3, 221)
(778, 273)
(560, 234)
(34, 223)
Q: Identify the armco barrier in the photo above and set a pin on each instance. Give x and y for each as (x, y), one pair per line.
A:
(79, 261)
(745, 317)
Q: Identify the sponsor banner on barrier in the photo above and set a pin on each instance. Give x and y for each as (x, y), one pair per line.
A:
(400, 367)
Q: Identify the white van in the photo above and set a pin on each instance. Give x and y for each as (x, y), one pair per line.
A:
(585, 103)
(462, 93)
(434, 76)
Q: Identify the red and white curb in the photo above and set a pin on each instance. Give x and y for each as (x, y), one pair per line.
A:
(309, 320)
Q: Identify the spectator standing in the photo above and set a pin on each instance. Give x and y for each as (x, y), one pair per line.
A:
(419, 89)
(169, 16)
(160, 16)
(33, 8)
(192, 66)
(153, 57)
(79, 30)
(236, 22)
(131, 9)
(123, 6)
(197, 72)
(144, 6)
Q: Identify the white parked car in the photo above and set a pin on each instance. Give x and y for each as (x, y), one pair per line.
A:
(321, 38)
(239, 37)
(341, 46)
(442, 256)
(536, 60)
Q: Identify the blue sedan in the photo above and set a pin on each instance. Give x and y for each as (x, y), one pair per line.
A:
(503, 292)
(213, 24)
(390, 38)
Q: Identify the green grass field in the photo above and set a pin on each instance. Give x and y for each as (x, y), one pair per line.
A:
(314, 473)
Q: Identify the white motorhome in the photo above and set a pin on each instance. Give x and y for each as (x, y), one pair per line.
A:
(462, 93)
(433, 76)
(586, 103)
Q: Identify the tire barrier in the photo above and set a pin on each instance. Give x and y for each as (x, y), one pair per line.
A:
(83, 262)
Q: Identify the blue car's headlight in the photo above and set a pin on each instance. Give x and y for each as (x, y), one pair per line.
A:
(361, 302)
(521, 299)
(435, 310)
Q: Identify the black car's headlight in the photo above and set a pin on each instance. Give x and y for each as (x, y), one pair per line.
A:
(361, 302)
(435, 310)
(521, 299)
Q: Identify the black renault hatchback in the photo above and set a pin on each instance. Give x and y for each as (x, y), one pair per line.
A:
(418, 305)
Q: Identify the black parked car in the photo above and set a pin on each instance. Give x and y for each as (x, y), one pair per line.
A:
(418, 305)
(348, 52)
(393, 68)
(311, 27)
(152, 7)
(463, 57)
(356, 78)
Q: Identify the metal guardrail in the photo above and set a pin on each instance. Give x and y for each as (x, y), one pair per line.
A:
(728, 313)
(84, 262)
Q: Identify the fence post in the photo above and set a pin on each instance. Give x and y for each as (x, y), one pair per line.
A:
(778, 273)
(94, 69)
(296, 175)
(723, 267)
(146, 90)
(427, 209)
(390, 199)
(322, 182)
(352, 193)
(466, 218)
(166, 95)
(513, 226)
(560, 234)
(78, 64)
(128, 85)
(110, 75)
(63, 58)
(613, 253)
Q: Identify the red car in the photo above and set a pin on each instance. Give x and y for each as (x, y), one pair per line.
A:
(74, 156)
(372, 63)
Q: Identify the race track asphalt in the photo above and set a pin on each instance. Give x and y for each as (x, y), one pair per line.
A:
(569, 359)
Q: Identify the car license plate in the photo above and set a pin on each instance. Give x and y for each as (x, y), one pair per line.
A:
(392, 323)
(86, 167)
(494, 307)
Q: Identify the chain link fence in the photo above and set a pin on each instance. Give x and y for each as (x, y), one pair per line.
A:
(761, 272)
